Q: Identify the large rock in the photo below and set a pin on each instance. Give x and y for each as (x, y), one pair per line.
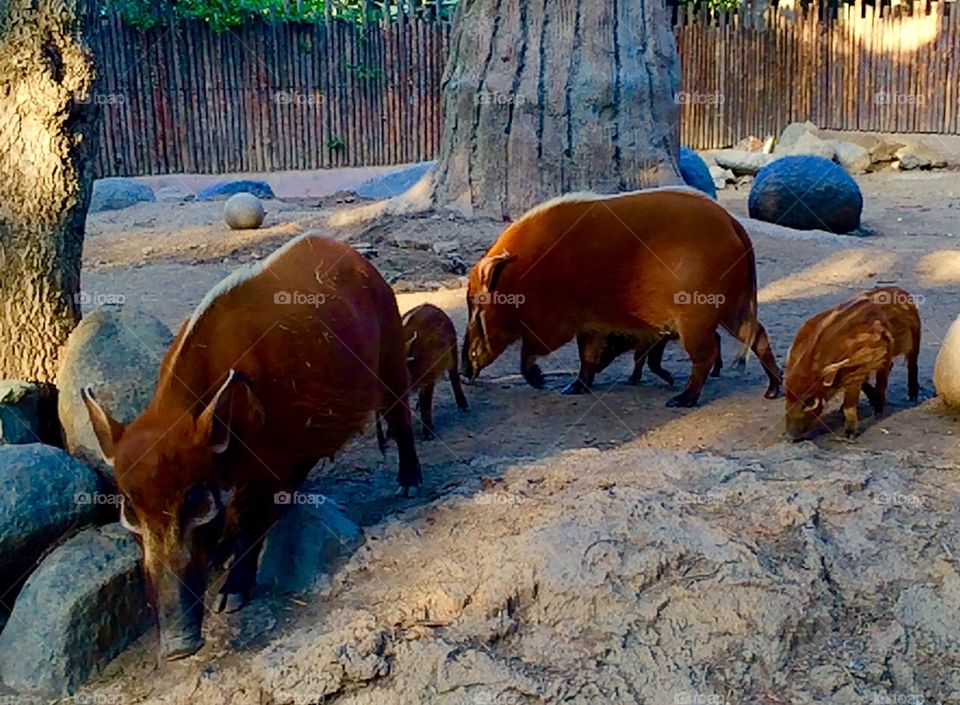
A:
(742, 162)
(918, 156)
(84, 605)
(721, 177)
(117, 351)
(117, 193)
(301, 549)
(222, 190)
(808, 144)
(793, 132)
(946, 370)
(851, 156)
(394, 183)
(806, 193)
(243, 211)
(695, 172)
(19, 412)
(44, 494)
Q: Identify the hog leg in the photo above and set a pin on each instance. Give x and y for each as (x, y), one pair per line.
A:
(394, 379)
(701, 346)
(529, 352)
(458, 388)
(381, 437)
(718, 363)
(242, 575)
(851, 400)
(654, 359)
(913, 380)
(426, 411)
(591, 346)
(761, 348)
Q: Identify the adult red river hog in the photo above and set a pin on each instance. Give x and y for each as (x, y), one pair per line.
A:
(279, 365)
(670, 261)
(840, 348)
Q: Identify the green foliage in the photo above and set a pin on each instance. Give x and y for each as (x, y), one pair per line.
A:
(225, 14)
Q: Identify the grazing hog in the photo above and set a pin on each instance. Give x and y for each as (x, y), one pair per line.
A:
(668, 260)
(431, 342)
(647, 350)
(278, 367)
(840, 348)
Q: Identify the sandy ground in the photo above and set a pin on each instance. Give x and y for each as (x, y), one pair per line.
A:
(163, 256)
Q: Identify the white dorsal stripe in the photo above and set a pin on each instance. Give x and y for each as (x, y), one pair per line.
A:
(589, 197)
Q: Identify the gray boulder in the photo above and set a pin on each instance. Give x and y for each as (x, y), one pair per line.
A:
(222, 190)
(117, 351)
(83, 606)
(300, 550)
(394, 183)
(721, 177)
(793, 132)
(44, 494)
(19, 412)
(809, 144)
(852, 157)
(742, 162)
(918, 156)
(116, 193)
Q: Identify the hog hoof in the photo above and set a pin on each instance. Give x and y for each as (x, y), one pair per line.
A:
(407, 491)
(428, 433)
(575, 387)
(232, 602)
(772, 392)
(683, 400)
(534, 377)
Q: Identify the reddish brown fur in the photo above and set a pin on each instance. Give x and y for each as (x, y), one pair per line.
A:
(309, 374)
(431, 343)
(841, 347)
(616, 265)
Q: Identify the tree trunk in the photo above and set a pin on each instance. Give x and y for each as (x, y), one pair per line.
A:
(46, 153)
(544, 97)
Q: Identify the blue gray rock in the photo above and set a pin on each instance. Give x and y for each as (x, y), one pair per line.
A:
(300, 550)
(696, 173)
(394, 183)
(806, 193)
(116, 193)
(222, 190)
(44, 495)
(83, 606)
(19, 412)
(116, 350)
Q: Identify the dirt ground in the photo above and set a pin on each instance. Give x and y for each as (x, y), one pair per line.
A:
(163, 256)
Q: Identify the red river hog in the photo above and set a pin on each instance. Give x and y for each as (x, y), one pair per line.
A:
(663, 261)
(278, 367)
(840, 348)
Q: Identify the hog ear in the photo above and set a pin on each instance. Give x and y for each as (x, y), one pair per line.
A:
(233, 400)
(829, 373)
(107, 429)
(409, 344)
(491, 267)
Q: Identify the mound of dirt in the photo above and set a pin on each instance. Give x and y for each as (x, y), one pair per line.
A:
(787, 575)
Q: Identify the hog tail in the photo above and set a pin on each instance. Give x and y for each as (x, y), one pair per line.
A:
(745, 326)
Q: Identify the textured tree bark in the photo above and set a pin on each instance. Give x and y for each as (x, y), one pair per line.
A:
(46, 151)
(544, 97)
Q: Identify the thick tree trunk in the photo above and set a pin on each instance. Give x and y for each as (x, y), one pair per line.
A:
(544, 97)
(46, 151)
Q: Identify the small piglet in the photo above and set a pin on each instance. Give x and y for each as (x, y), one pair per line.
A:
(840, 348)
(431, 352)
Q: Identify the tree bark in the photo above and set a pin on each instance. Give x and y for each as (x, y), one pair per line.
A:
(46, 158)
(544, 97)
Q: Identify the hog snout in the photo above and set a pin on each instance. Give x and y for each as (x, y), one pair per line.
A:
(180, 616)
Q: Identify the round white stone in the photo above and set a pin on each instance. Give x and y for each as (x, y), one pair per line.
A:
(243, 211)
